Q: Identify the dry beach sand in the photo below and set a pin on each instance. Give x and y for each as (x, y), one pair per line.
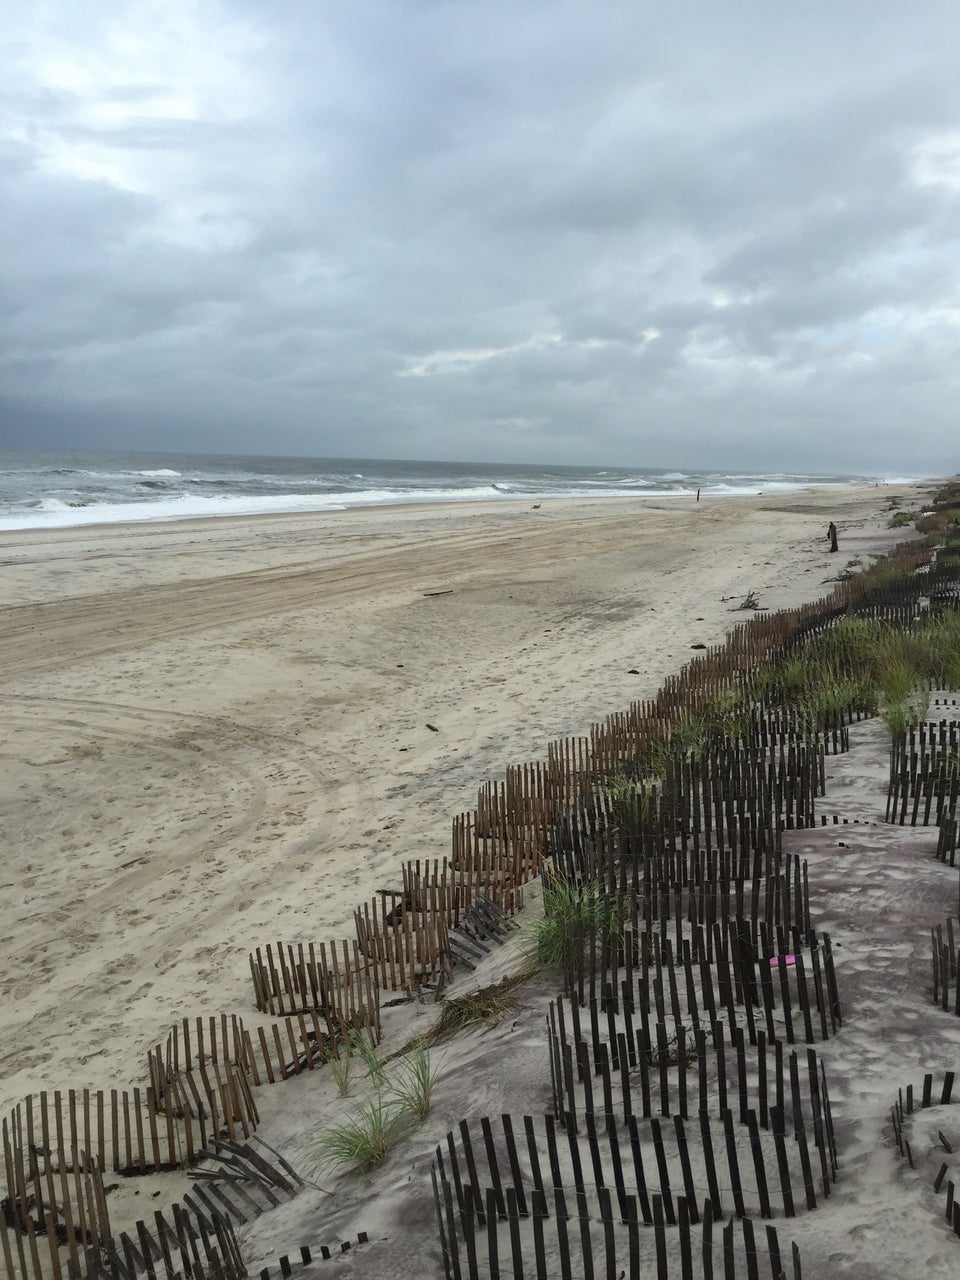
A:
(215, 734)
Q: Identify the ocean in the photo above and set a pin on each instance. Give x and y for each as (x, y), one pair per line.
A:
(46, 489)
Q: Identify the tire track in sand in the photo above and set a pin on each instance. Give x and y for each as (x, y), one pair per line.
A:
(39, 637)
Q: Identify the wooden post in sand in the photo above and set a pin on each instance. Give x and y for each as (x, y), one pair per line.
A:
(832, 535)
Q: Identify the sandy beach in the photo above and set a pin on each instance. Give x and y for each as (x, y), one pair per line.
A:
(220, 733)
(216, 733)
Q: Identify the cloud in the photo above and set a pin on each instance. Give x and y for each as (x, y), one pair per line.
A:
(552, 232)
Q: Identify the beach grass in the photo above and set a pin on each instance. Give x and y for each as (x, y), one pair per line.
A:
(364, 1139)
(367, 1053)
(340, 1063)
(573, 914)
(416, 1080)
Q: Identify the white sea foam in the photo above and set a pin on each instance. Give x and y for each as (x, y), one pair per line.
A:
(53, 514)
(57, 515)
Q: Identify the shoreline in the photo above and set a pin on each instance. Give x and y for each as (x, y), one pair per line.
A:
(667, 496)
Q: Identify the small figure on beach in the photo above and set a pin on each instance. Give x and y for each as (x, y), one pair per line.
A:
(832, 535)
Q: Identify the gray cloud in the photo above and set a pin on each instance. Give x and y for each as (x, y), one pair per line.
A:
(660, 234)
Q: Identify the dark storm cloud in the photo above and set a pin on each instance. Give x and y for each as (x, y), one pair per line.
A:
(658, 233)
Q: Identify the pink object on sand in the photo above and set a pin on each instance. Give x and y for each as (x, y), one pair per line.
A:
(775, 960)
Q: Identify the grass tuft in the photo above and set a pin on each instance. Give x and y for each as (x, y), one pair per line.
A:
(635, 804)
(573, 914)
(367, 1053)
(416, 1081)
(364, 1139)
(340, 1063)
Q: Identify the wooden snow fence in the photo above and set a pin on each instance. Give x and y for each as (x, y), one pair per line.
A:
(486, 858)
(776, 727)
(437, 885)
(296, 1044)
(482, 927)
(765, 784)
(521, 809)
(943, 581)
(175, 1245)
(243, 1180)
(500, 845)
(768, 634)
(405, 943)
(497, 859)
(55, 1219)
(309, 1256)
(779, 726)
(406, 940)
(474, 921)
(764, 977)
(121, 1131)
(742, 1105)
(58, 1221)
(907, 1102)
(946, 990)
(924, 783)
(948, 840)
(736, 796)
(732, 796)
(934, 1092)
(522, 1201)
(698, 886)
(200, 1076)
(334, 980)
(195, 1237)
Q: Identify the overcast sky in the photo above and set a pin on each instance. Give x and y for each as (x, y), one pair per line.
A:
(672, 234)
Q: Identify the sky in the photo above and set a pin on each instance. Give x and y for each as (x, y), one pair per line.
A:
(668, 234)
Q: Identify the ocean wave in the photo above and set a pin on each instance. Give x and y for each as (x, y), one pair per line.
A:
(165, 494)
(764, 484)
(188, 506)
(55, 514)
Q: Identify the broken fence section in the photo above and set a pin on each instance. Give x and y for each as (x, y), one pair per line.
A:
(308, 1256)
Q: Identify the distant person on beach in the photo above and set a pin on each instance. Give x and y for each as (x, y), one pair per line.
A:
(832, 535)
